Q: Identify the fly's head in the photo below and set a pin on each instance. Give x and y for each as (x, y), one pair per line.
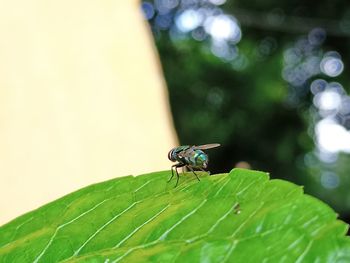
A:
(172, 155)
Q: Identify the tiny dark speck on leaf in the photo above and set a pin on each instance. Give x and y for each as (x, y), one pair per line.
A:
(237, 209)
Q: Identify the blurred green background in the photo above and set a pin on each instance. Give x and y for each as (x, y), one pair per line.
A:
(268, 80)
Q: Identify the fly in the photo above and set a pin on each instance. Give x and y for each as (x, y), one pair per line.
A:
(191, 157)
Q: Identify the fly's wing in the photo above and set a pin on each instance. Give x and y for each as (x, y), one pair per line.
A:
(206, 146)
(188, 152)
(182, 150)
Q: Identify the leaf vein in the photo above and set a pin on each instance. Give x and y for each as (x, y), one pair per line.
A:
(104, 226)
(139, 227)
(63, 225)
(165, 234)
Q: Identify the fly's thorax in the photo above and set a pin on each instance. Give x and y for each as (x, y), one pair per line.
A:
(173, 154)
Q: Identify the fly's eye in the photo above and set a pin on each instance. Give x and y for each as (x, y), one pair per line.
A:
(169, 154)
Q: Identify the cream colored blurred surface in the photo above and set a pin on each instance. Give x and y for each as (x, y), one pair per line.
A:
(82, 99)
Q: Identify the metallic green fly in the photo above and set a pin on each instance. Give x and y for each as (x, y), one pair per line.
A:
(191, 157)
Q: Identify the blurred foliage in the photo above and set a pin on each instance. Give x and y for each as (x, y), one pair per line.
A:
(253, 92)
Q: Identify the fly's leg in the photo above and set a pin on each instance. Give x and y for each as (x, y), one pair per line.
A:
(172, 172)
(177, 173)
(177, 176)
(193, 171)
(178, 165)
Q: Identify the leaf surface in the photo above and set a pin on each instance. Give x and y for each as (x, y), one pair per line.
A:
(241, 216)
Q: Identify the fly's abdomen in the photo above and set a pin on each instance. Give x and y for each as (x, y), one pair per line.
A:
(198, 159)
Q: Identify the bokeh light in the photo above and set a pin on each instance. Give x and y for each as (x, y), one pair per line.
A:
(165, 6)
(318, 85)
(217, 2)
(332, 137)
(327, 100)
(188, 20)
(224, 50)
(332, 65)
(223, 28)
(148, 10)
(329, 180)
(317, 36)
(240, 63)
(202, 21)
(345, 106)
(164, 21)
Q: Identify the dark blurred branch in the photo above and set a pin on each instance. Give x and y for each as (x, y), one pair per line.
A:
(291, 24)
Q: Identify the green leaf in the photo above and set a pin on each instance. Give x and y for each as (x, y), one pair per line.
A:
(241, 216)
